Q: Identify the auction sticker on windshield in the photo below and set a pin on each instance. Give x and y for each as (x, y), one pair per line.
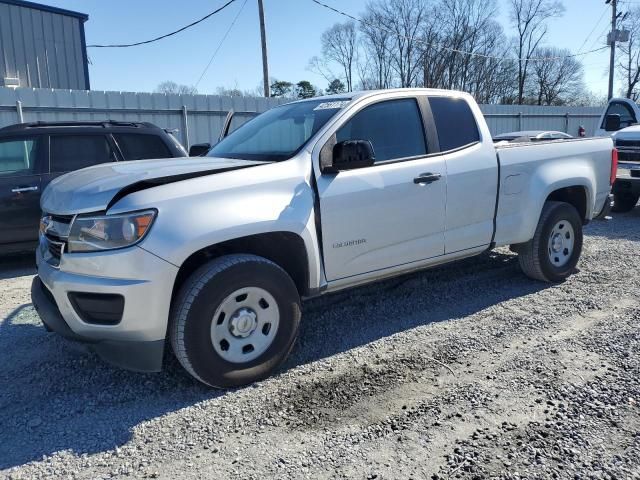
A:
(330, 105)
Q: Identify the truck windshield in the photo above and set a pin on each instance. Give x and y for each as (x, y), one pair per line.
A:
(279, 133)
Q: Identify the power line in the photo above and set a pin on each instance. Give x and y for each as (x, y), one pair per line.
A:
(224, 37)
(606, 9)
(168, 34)
(456, 50)
(600, 35)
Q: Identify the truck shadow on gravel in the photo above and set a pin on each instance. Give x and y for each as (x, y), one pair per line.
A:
(54, 398)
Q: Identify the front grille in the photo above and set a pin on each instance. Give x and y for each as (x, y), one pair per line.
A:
(55, 248)
(628, 143)
(55, 235)
(627, 156)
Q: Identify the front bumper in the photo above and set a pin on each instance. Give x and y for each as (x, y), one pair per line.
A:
(145, 281)
(137, 356)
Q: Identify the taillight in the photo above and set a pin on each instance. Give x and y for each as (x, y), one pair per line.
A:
(614, 166)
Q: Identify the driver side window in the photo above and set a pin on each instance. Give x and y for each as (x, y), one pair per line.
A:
(394, 128)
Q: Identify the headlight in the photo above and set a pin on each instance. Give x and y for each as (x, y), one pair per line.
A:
(106, 232)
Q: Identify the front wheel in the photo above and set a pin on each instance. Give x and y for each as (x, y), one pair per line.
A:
(553, 252)
(235, 320)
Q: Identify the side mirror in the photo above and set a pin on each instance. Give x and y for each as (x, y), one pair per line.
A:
(612, 122)
(349, 155)
(199, 149)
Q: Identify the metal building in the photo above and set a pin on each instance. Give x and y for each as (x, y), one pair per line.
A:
(42, 46)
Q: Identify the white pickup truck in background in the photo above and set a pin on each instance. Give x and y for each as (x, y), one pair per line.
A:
(620, 121)
(215, 253)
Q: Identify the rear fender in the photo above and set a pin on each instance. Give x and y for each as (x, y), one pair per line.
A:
(519, 213)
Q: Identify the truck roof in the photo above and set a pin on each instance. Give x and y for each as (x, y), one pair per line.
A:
(371, 93)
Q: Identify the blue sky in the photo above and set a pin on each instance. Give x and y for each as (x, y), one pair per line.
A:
(294, 28)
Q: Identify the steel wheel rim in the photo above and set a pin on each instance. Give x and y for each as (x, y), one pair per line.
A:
(561, 243)
(245, 324)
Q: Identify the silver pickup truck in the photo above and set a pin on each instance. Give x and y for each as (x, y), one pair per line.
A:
(214, 254)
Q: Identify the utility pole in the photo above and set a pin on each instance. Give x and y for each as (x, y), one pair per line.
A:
(265, 64)
(612, 42)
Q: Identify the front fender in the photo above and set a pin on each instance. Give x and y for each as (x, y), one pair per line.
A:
(206, 211)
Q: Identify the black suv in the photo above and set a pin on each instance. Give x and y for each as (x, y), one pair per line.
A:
(33, 154)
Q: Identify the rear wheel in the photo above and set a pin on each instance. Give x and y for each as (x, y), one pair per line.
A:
(624, 201)
(235, 320)
(553, 253)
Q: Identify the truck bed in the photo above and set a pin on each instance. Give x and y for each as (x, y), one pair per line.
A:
(504, 146)
(530, 171)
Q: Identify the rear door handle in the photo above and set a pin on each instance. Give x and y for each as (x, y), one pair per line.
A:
(24, 189)
(426, 178)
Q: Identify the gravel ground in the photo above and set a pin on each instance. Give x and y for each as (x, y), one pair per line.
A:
(466, 371)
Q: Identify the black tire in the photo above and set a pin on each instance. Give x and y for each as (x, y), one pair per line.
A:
(194, 308)
(624, 202)
(534, 255)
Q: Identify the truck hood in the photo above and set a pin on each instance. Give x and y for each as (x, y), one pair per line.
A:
(96, 188)
(627, 133)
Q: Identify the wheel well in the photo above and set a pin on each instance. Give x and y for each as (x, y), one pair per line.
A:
(286, 249)
(576, 196)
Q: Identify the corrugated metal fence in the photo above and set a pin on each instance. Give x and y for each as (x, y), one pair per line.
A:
(510, 118)
(199, 118)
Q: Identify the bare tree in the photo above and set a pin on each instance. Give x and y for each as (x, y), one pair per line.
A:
(588, 98)
(339, 44)
(403, 19)
(173, 87)
(558, 80)
(466, 49)
(629, 61)
(434, 57)
(491, 74)
(466, 23)
(376, 45)
(530, 17)
(229, 92)
(321, 66)
(459, 44)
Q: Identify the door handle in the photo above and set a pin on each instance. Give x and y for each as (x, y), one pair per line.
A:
(426, 178)
(24, 189)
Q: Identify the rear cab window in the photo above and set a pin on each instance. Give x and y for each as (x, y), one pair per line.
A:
(455, 123)
(73, 152)
(394, 128)
(18, 156)
(135, 146)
